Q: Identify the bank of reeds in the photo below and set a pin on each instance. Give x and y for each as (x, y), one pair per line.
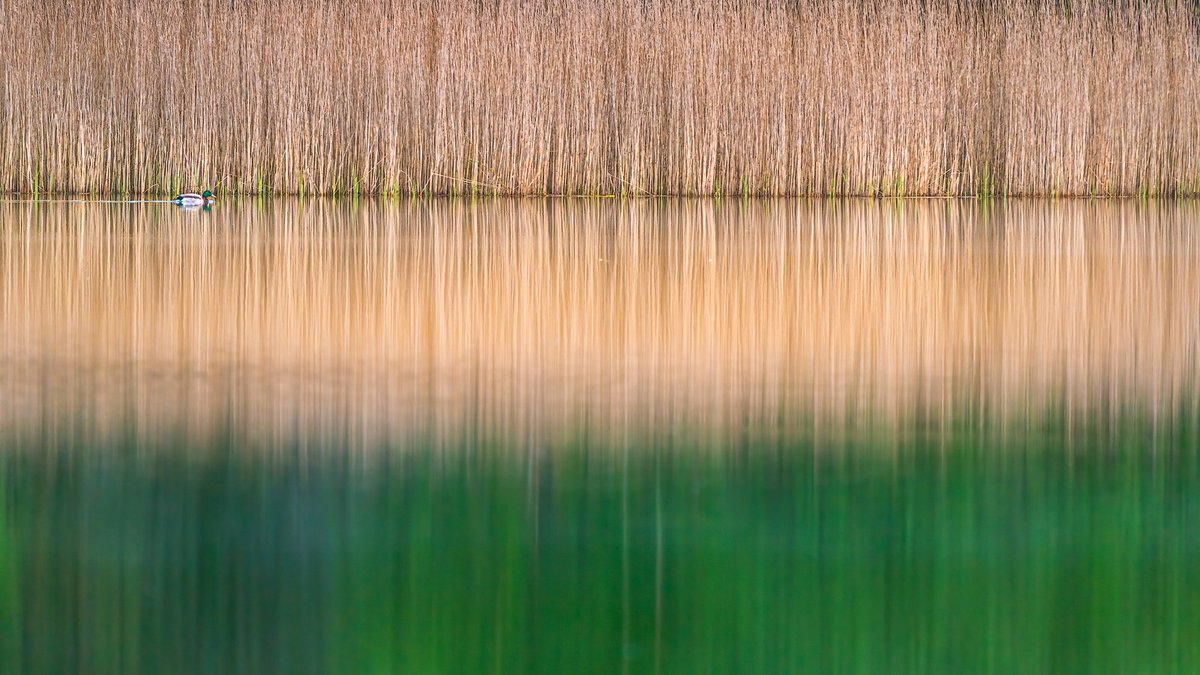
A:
(601, 96)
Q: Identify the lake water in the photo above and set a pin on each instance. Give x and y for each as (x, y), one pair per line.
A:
(600, 436)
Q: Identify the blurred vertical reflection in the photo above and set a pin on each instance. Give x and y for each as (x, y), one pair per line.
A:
(537, 322)
(598, 436)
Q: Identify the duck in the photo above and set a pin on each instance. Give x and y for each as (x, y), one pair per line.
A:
(194, 199)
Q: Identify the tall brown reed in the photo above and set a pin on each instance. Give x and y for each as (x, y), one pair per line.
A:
(601, 96)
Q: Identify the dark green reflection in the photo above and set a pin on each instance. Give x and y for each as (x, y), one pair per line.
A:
(1049, 551)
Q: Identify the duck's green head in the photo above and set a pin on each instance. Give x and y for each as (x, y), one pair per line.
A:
(207, 194)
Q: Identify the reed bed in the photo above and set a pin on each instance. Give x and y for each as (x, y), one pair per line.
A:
(806, 97)
(536, 321)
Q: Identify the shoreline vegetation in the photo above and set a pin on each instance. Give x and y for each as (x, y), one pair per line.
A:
(620, 97)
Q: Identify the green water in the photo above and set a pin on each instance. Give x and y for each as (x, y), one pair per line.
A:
(972, 558)
(173, 505)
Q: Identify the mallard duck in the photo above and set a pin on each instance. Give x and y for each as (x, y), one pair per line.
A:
(193, 199)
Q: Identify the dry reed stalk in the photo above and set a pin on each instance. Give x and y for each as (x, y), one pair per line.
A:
(806, 97)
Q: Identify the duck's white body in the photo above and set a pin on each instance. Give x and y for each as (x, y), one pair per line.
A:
(192, 199)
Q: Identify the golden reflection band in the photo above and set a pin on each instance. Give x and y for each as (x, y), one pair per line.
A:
(535, 322)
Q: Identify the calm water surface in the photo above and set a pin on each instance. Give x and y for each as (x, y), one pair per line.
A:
(600, 436)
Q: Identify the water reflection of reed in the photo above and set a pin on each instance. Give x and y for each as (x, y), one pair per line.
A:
(539, 321)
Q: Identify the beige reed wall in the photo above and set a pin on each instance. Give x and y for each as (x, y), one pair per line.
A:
(601, 96)
(539, 321)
